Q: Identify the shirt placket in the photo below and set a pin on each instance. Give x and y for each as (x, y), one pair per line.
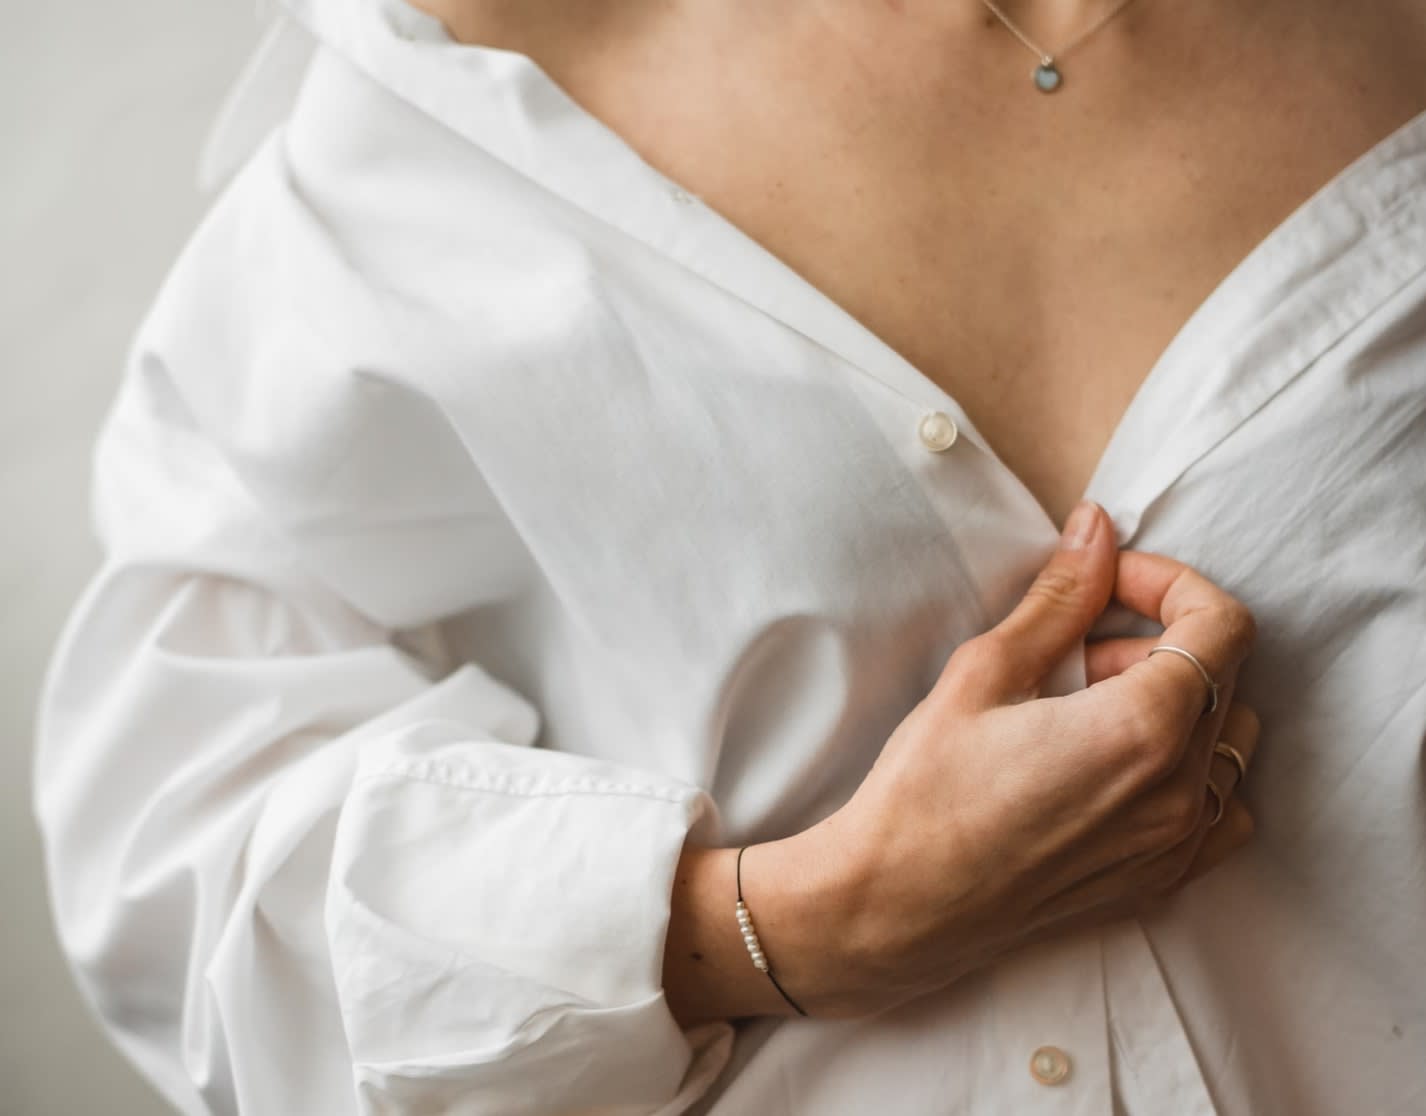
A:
(1156, 1069)
(1051, 1030)
(1052, 1041)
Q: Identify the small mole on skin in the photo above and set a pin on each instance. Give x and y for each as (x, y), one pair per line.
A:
(1395, 1030)
(696, 955)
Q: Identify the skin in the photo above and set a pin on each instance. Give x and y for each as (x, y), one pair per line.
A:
(1033, 256)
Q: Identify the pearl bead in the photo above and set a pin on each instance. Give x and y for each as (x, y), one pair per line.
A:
(750, 938)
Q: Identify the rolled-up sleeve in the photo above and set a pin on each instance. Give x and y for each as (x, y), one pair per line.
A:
(303, 863)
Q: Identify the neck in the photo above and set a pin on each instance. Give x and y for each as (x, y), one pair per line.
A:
(1046, 21)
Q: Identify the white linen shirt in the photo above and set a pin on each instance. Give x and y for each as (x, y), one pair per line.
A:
(484, 515)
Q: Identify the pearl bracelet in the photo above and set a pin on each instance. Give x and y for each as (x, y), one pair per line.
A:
(750, 938)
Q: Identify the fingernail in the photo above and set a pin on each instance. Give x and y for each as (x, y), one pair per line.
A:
(1081, 525)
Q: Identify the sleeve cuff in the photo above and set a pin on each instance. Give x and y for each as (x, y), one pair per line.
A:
(497, 918)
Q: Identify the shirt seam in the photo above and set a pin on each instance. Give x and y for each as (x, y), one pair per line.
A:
(520, 786)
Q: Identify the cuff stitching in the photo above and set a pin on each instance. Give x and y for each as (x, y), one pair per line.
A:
(521, 785)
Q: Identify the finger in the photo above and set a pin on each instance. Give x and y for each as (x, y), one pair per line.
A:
(1057, 610)
(1167, 870)
(1134, 878)
(1107, 657)
(1233, 831)
(1105, 899)
(1174, 594)
(1195, 767)
(1173, 817)
(1240, 732)
(1115, 878)
(1198, 616)
(1230, 834)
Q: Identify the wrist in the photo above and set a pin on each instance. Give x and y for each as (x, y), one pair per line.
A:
(707, 971)
(805, 896)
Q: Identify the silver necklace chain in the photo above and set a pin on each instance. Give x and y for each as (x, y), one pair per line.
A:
(1047, 75)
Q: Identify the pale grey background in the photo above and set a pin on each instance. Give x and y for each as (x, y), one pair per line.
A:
(102, 109)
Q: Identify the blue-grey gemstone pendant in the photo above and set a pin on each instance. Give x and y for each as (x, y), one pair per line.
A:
(1047, 76)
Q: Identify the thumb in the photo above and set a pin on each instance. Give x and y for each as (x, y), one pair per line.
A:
(1057, 610)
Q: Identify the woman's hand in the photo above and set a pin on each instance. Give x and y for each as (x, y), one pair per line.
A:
(994, 817)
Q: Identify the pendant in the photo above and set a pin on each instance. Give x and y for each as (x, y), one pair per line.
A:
(1047, 75)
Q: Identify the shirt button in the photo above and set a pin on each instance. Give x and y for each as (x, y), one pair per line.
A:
(680, 195)
(1049, 1065)
(937, 431)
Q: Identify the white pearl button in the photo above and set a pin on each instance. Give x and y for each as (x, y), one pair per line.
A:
(937, 431)
(680, 195)
(1049, 1065)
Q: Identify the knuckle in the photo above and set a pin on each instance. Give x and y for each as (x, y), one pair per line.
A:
(1158, 757)
(978, 663)
(1241, 626)
(980, 652)
(1143, 722)
(1180, 812)
(1056, 586)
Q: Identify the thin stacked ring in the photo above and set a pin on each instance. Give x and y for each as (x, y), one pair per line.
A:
(1207, 678)
(1222, 747)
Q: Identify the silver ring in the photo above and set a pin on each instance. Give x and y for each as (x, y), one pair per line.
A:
(1217, 794)
(1223, 748)
(1207, 678)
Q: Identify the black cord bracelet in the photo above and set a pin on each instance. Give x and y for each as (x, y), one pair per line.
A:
(750, 938)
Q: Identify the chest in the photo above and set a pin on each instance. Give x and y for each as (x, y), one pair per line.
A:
(1031, 255)
(783, 531)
